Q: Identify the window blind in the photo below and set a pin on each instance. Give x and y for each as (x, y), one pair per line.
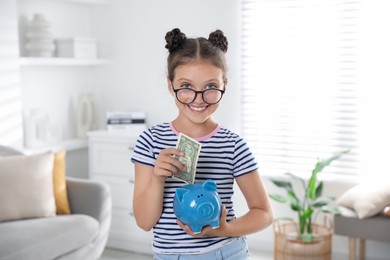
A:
(299, 83)
(11, 125)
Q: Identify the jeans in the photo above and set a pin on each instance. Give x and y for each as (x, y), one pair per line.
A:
(235, 250)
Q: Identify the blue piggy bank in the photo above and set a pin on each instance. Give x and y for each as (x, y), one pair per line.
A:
(198, 205)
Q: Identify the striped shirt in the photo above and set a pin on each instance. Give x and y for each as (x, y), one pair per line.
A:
(224, 156)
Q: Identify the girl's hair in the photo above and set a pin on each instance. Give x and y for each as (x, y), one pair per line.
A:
(183, 50)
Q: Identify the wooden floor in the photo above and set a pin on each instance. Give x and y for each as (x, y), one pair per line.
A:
(112, 254)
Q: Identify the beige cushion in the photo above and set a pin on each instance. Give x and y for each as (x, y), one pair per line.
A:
(366, 199)
(26, 186)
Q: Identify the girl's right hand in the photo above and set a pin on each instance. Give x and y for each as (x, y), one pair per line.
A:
(166, 165)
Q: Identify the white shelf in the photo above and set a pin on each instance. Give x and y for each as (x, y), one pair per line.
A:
(27, 61)
(68, 145)
(92, 2)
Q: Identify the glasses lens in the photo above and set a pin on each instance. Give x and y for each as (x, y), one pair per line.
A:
(186, 96)
(212, 96)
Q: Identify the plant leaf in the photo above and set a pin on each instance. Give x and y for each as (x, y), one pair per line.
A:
(283, 184)
(311, 187)
(322, 164)
(319, 189)
(322, 201)
(319, 166)
(278, 198)
(294, 201)
(307, 213)
(301, 180)
(332, 210)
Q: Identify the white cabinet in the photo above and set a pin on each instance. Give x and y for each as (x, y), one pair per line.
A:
(110, 161)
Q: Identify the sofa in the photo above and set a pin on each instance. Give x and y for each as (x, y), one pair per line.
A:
(82, 234)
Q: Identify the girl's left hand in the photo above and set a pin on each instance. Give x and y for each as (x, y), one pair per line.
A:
(208, 230)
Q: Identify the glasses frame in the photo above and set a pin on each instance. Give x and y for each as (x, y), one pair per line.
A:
(222, 91)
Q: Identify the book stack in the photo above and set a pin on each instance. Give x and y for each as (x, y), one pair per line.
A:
(126, 121)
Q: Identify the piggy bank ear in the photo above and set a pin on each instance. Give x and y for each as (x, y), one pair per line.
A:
(180, 193)
(209, 185)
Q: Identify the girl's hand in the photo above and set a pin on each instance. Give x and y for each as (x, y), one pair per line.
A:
(166, 165)
(208, 230)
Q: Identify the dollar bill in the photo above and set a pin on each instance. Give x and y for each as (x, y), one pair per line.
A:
(191, 150)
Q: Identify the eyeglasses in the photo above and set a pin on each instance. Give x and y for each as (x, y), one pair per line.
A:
(187, 95)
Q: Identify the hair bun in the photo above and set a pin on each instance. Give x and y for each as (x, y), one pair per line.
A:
(175, 39)
(218, 39)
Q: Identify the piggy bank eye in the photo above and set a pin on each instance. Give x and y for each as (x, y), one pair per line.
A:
(201, 195)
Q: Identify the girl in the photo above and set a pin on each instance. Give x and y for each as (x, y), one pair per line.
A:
(197, 80)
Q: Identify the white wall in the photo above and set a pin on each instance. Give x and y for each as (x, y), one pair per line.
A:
(138, 53)
(132, 35)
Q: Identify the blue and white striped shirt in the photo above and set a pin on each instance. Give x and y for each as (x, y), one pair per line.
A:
(224, 156)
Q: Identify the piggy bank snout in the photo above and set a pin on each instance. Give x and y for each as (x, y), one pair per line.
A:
(205, 210)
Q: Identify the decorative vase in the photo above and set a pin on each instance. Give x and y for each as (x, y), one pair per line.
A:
(85, 113)
(35, 128)
(289, 245)
(40, 42)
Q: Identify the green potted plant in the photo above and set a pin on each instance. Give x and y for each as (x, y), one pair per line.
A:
(311, 201)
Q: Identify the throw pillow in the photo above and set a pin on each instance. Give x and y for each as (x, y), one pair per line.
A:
(366, 199)
(59, 182)
(26, 186)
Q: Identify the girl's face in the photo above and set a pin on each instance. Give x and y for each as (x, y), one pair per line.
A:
(197, 76)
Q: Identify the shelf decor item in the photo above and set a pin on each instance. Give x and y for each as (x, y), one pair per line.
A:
(85, 114)
(126, 121)
(40, 42)
(305, 239)
(78, 47)
(35, 128)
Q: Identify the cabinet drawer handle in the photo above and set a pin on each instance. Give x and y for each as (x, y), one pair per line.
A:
(131, 181)
(131, 148)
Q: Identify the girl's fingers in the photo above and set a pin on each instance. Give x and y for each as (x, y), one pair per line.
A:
(223, 213)
(167, 164)
(186, 228)
(172, 151)
(171, 168)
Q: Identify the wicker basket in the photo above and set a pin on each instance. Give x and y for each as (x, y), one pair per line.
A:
(288, 245)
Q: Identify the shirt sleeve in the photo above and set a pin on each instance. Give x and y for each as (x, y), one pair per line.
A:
(244, 161)
(143, 150)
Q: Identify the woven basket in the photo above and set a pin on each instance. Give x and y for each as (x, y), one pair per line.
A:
(289, 246)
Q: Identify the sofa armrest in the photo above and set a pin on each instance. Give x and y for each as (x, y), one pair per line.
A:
(89, 197)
